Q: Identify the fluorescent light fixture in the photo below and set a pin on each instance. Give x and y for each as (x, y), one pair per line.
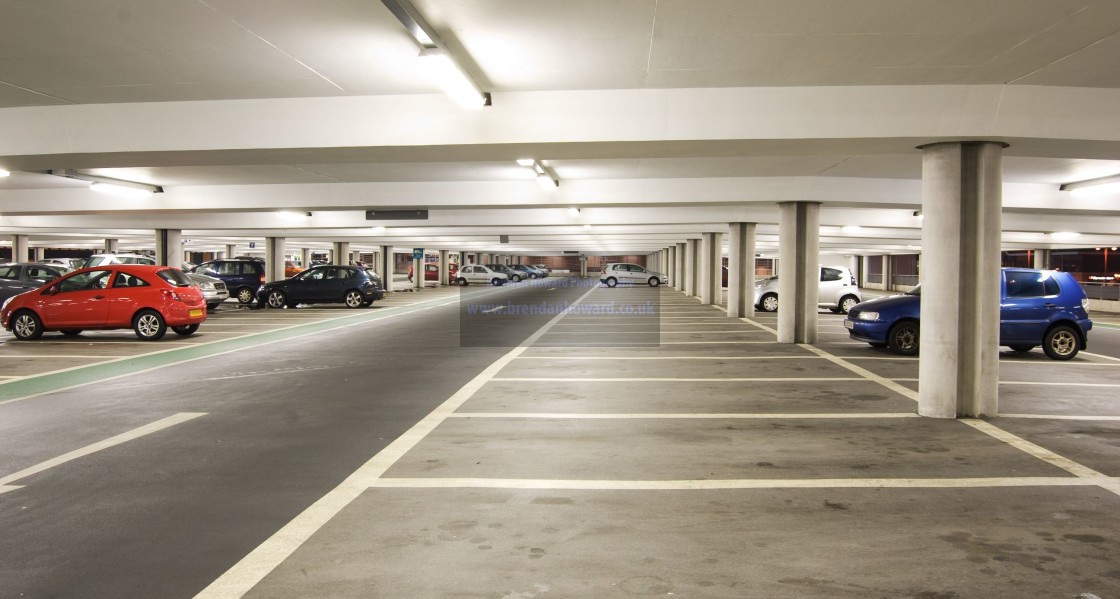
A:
(377, 229)
(1065, 235)
(587, 226)
(918, 213)
(851, 228)
(120, 190)
(294, 215)
(452, 79)
(527, 161)
(573, 212)
(4, 173)
(1101, 186)
(546, 182)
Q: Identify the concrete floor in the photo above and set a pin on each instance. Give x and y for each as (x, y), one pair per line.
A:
(612, 455)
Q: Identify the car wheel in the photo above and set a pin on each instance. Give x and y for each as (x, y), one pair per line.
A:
(185, 330)
(71, 332)
(149, 325)
(654, 281)
(1061, 343)
(277, 299)
(1021, 348)
(903, 338)
(611, 281)
(847, 303)
(245, 295)
(26, 326)
(354, 299)
(515, 278)
(496, 282)
(532, 276)
(769, 302)
(462, 282)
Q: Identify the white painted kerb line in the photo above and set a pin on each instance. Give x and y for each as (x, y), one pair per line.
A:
(135, 433)
(248, 572)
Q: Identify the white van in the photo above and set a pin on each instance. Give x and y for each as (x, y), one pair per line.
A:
(838, 291)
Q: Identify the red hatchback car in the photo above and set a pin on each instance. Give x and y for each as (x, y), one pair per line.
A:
(147, 299)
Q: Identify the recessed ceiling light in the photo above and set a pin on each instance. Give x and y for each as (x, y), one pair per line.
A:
(4, 173)
(851, 229)
(120, 190)
(377, 229)
(1065, 235)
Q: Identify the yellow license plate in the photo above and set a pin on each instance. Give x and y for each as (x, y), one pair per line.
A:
(195, 313)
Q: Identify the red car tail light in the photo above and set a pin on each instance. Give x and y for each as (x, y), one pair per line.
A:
(262, 279)
(171, 295)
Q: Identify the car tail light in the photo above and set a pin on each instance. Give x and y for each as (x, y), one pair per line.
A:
(171, 295)
(262, 278)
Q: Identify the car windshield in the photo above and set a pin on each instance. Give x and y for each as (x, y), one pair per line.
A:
(175, 277)
(915, 291)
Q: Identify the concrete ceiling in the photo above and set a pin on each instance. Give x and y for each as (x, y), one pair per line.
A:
(642, 107)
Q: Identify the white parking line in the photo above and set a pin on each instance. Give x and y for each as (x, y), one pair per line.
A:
(760, 483)
(672, 379)
(135, 433)
(676, 416)
(1053, 384)
(1101, 356)
(1060, 417)
(604, 358)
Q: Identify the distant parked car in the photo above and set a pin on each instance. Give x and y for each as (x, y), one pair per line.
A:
(22, 277)
(477, 273)
(622, 273)
(214, 291)
(325, 284)
(431, 272)
(547, 270)
(242, 276)
(526, 271)
(512, 276)
(103, 259)
(147, 299)
(1037, 307)
(67, 263)
(837, 292)
(291, 269)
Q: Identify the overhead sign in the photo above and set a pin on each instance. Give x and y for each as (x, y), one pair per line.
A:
(252, 244)
(396, 215)
(417, 253)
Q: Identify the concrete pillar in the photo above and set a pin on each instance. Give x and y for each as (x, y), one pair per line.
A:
(169, 247)
(417, 272)
(583, 266)
(689, 268)
(678, 267)
(274, 259)
(444, 265)
(231, 250)
(19, 248)
(798, 271)
(888, 273)
(1041, 259)
(671, 264)
(341, 253)
(958, 368)
(110, 246)
(40, 253)
(711, 263)
(385, 266)
(740, 271)
(305, 257)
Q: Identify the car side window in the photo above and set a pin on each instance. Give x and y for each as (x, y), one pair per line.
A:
(1023, 283)
(831, 274)
(94, 279)
(315, 275)
(9, 272)
(127, 280)
(41, 274)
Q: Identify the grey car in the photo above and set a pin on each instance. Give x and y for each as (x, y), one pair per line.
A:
(214, 291)
(624, 273)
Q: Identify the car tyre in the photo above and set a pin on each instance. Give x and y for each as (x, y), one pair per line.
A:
(277, 299)
(903, 338)
(532, 276)
(769, 302)
(1021, 348)
(71, 332)
(612, 282)
(244, 295)
(26, 325)
(847, 303)
(654, 281)
(186, 330)
(462, 282)
(515, 278)
(149, 325)
(354, 299)
(496, 282)
(1061, 343)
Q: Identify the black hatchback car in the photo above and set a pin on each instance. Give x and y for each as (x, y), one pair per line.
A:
(324, 284)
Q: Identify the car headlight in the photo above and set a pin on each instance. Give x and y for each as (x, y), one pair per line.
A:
(1084, 303)
(207, 286)
(868, 316)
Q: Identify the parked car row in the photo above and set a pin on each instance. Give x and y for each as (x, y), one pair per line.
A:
(837, 291)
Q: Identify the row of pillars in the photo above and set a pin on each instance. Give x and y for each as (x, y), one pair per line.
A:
(961, 201)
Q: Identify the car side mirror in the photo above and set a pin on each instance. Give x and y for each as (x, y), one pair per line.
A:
(53, 289)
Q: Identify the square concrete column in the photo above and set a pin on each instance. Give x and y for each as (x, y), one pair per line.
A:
(958, 367)
(40, 253)
(711, 267)
(583, 266)
(20, 248)
(444, 267)
(418, 271)
(798, 271)
(690, 267)
(169, 247)
(231, 251)
(273, 259)
(110, 246)
(1041, 259)
(740, 271)
(305, 257)
(385, 266)
(341, 253)
(671, 264)
(888, 272)
(678, 267)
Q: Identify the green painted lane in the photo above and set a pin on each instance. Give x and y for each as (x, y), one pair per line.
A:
(39, 384)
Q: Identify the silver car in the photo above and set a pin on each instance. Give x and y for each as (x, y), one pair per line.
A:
(837, 291)
(214, 291)
(615, 273)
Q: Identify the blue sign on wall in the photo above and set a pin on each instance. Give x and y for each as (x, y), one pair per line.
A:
(252, 244)
(417, 253)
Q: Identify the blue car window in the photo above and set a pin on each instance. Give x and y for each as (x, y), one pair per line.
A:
(1021, 283)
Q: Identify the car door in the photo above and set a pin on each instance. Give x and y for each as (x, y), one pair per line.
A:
(127, 295)
(1029, 298)
(832, 282)
(81, 301)
(638, 274)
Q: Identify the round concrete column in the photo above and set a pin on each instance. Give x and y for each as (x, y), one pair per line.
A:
(958, 367)
(740, 271)
(798, 271)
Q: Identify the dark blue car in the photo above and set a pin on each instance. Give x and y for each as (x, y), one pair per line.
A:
(1037, 307)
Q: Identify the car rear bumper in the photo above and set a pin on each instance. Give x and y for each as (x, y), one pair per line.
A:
(179, 314)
